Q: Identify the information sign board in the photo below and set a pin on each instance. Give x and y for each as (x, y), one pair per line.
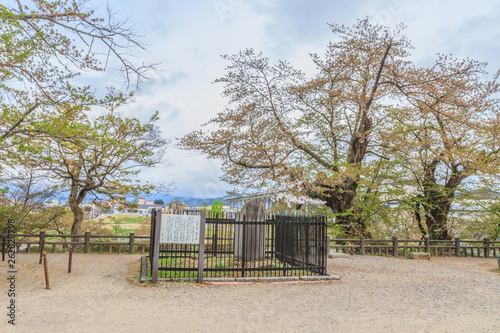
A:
(181, 229)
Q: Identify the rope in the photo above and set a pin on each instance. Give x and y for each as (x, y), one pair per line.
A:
(58, 257)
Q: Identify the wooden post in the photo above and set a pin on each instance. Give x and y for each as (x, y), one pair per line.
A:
(70, 261)
(395, 246)
(457, 247)
(362, 245)
(42, 245)
(131, 249)
(47, 285)
(427, 244)
(486, 247)
(3, 248)
(201, 254)
(156, 246)
(87, 242)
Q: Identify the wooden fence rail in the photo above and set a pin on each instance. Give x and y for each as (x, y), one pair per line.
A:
(91, 243)
(395, 247)
(389, 247)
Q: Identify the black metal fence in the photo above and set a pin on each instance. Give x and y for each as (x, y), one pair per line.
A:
(279, 246)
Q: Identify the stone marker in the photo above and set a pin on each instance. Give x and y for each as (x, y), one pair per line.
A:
(336, 255)
(498, 263)
(253, 246)
(418, 255)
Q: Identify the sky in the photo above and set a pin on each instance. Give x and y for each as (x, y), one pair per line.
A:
(188, 38)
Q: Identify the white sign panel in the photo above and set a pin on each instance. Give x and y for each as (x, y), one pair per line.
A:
(183, 229)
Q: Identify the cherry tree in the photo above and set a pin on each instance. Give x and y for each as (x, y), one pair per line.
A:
(309, 138)
(45, 45)
(447, 131)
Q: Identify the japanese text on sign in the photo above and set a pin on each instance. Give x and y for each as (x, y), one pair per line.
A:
(183, 229)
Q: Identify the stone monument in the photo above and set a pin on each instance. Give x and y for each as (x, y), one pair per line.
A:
(249, 239)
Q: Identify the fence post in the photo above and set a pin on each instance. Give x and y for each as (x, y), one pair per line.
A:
(3, 248)
(427, 244)
(70, 260)
(457, 247)
(87, 242)
(486, 247)
(46, 269)
(328, 243)
(244, 249)
(362, 245)
(42, 245)
(395, 246)
(131, 243)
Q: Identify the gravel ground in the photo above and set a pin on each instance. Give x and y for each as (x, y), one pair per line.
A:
(375, 294)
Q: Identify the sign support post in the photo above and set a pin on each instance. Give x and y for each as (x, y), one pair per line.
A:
(201, 253)
(156, 246)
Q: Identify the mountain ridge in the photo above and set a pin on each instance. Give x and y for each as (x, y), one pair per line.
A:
(189, 201)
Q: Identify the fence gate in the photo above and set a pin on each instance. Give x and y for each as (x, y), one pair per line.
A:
(301, 241)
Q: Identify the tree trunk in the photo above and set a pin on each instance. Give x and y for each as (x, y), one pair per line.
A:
(416, 210)
(436, 217)
(348, 216)
(437, 199)
(76, 197)
(436, 202)
(352, 226)
(77, 222)
(341, 198)
(77, 217)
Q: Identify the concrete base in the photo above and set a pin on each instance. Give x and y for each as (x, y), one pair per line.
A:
(327, 277)
(336, 255)
(418, 255)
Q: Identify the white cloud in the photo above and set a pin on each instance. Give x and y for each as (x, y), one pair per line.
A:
(188, 37)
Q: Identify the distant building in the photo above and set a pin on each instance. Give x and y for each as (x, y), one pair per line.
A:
(143, 201)
(144, 206)
(91, 211)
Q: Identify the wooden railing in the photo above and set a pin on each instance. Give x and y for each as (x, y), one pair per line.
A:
(395, 247)
(132, 244)
(88, 242)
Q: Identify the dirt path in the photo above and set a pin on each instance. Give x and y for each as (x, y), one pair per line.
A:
(376, 294)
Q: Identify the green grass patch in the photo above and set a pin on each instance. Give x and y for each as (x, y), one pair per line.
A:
(121, 231)
(125, 218)
(275, 267)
